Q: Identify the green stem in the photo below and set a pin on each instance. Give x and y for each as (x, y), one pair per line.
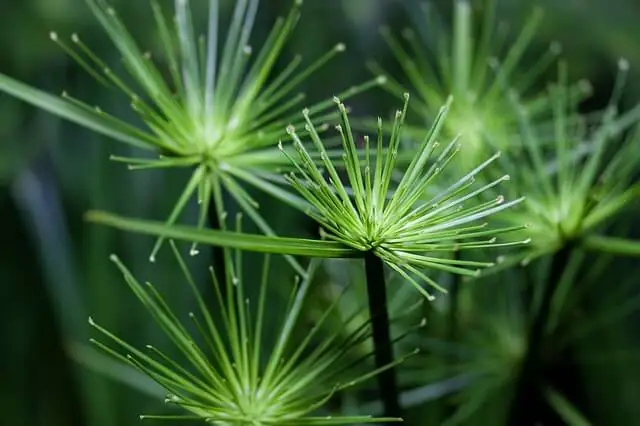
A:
(383, 350)
(217, 252)
(612, 245)
(453, 329)
(524, 406)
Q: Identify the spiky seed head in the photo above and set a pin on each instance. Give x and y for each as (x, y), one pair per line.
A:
(227, 380)
(561, 172)
(373, 213)
(218, 112)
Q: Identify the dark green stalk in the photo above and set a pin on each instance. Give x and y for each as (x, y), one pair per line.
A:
(383, 350)
(524, 406)
(217, 253)
(453, 330)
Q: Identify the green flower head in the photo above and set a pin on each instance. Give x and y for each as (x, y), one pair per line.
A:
(232, 379)
(393, 220)
(472, 62)
(220, 111)
(580, 180)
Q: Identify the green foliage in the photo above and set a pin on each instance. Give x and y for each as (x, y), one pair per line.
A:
(571, 193)
(389, 221)
(228, 380)
(470, 62)
(217, 114)
(213, 110)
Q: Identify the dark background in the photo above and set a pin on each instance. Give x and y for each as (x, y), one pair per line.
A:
(54, 268)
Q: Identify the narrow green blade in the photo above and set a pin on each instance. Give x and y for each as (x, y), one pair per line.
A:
(234, 240)
(613, 245)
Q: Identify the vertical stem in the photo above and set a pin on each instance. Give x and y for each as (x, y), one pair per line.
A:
(377, 295)
(524, 406)
(217, 253)
(452, 331)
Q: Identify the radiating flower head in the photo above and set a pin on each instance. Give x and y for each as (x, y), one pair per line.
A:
(219, 111)
(469, 63)
(580, 180)
(392, 221)
(232, 378)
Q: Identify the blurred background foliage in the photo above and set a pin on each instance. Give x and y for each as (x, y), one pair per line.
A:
(55, 270)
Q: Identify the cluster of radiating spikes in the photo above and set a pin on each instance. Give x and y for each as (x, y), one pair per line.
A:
(579, 178)
(219, 112)
(394, 221)
(229, 379)
(475, 73)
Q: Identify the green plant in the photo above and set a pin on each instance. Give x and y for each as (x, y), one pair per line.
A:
(218, 114)
(470, 62)
(230, 381)
(401, 210)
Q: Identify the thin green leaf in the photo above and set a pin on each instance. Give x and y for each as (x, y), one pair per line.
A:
(229, 239)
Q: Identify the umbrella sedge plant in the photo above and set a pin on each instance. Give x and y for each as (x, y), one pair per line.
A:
(471, 60)
(223, 113)
(230, 377)
(373, 218)
(570, 196)
(390, 224)
(220, 112)
(573, 192)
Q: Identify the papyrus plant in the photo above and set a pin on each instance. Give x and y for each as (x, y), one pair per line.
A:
(220, 112)
(391, 224)
(392, 221)
(231, 376)
(370, 216)
(472, 60)
(582, 178)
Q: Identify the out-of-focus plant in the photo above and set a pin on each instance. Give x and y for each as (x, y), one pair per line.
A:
(473, 62)
(579, 180)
